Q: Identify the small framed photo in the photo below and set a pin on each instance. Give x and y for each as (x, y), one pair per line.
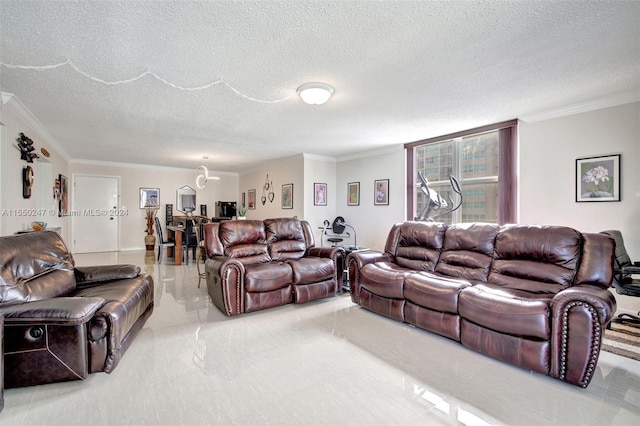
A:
(381, 192)
(598, 179)
(63, 202)
(287, 196)
(149, 197)
(319, 194)
(252, 199)
(353, 194)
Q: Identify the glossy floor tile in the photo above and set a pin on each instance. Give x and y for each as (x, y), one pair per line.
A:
(328, 362)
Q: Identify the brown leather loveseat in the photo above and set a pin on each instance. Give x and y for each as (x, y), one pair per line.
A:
(532, 296)
(62, 322)
(253, 264)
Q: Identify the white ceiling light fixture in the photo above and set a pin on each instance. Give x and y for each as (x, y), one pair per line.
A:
(202, 177)
(315, 93)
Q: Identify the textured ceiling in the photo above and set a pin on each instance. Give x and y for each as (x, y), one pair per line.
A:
(402, 71)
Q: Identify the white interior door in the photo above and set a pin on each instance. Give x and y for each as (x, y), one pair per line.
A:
(94, 221)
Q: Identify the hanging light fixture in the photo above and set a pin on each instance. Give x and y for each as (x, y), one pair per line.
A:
(315, 93)
(202, 177)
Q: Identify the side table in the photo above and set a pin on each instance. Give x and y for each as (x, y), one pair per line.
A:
(346, 287)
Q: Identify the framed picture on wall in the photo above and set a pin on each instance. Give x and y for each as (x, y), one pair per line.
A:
(252, 199)
(287, 196)
(381, 192)
(149, 197)
(63, 203)
(598, 179)
(319, 194)
(353, 194)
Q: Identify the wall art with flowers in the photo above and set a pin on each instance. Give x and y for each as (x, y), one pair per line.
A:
(598, 178)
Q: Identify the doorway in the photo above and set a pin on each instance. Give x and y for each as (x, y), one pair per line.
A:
(95, 222)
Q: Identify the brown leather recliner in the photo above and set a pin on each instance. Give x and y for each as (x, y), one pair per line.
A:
(253, 264)
(63, 322)
(532, 296)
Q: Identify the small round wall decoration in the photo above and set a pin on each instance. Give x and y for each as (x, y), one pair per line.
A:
(44, 152)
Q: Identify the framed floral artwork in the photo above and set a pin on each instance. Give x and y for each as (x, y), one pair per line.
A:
(319, 194)
(353, 194)
(381, 192)
(287, 196)
(598, 178)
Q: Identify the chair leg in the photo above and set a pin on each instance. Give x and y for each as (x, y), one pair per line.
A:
(160, 249)
(630, 318)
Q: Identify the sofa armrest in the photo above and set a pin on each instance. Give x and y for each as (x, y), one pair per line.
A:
(602, 300)
(225, 284)
(579, 315)
(355, 261)
(59, 311)
(330, 252)
(91, 275)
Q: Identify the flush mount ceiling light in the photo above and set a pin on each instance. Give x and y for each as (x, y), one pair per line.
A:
(315, 93)
(202, 177)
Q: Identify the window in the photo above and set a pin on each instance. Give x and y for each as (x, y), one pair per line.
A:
(482, 160)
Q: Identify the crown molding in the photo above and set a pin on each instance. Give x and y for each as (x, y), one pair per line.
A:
(372, 153)
(9, 100)
(141, 166)
(592, 105)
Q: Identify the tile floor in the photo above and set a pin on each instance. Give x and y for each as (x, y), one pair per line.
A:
(327, 363)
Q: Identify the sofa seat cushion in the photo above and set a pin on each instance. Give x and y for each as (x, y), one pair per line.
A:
(125, 302)
(505, 310)
(435, 292)
(309, 270)
(384, 279)
(263, 277)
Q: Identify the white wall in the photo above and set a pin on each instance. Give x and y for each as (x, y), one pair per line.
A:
(319, 169)
(168, 180)
(371, 222)
(288, 170)
(18, 212)
(548, 151)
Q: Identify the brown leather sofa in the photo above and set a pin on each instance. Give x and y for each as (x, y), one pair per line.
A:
(253, 264)
(532, 296)
(63, 322)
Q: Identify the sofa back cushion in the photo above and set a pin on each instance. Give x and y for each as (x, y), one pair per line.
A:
(538, 259)
(34, 266)
(468, 250)
(416, 245)
(245, 240)
(286, 238)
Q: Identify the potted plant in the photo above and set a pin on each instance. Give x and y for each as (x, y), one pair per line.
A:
(242, 211)
(150, 239)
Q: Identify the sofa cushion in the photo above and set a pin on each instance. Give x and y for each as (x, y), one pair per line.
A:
(35, 266)
(435, 292)
(245, 240)
(384, 279)
(263, 277)
(286, 238)
(467, 251)
(312, 269)
(125, 302)
(539, 259)
(419, 245)
(509, 311)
